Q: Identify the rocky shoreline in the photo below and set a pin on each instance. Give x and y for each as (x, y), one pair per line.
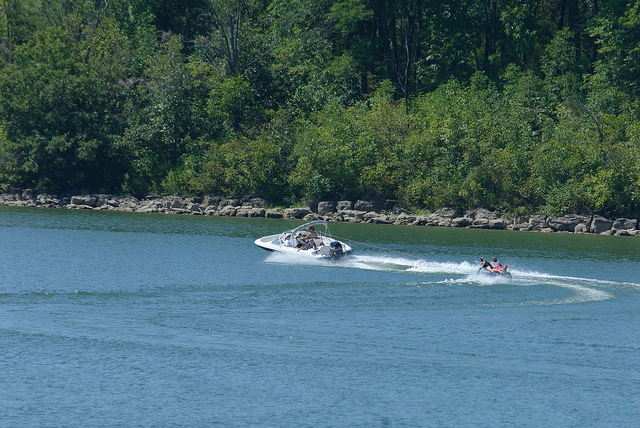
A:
(334, 211)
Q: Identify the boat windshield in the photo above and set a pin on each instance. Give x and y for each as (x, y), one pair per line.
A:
(302, 229)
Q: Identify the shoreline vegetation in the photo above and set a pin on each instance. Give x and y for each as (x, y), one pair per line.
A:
(360, 211)
(512, 108)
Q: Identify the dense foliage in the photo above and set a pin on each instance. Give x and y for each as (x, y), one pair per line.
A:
(519, 106)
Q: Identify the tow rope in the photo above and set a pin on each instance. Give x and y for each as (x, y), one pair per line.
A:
(386, 249)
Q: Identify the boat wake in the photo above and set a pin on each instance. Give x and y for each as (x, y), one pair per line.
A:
(465, 273)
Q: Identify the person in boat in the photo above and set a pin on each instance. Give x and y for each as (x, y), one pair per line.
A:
(305, 245)
(497, 267)
(309, 238)
(287, 241)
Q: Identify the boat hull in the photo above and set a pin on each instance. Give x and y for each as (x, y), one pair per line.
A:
(271, 243)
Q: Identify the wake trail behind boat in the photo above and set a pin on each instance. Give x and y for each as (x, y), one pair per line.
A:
(464, 273)
(582, 289)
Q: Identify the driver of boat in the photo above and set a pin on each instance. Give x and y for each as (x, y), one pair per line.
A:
(309, 237)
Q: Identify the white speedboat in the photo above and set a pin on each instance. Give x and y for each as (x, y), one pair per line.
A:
(322, 246)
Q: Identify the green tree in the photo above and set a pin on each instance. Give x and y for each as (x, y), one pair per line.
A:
(230, 102)
(62, 110)
(160, 117)
(618, 64)
(323, 154)
(562, 73)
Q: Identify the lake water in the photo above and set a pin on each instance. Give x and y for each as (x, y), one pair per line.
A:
(120, 319)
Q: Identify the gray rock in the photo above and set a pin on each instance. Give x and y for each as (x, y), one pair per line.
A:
(228, 210)
(84, 200)
(566, 223)
(367, 206)
(498, 223)
(48, 200)
(229, 202)
(258, 202)
(600, 224)
(581, 228)
(344, 205)
(176, 204)
(195, 208)
(273, 213)
(101, 200)
(250, 212)
(313, 216)
(243, 211)
(482, 213)
(537, 222)
(353, 216)
(376, 218)
(211, 202)
(521, 223)
(405, 218)
(113, 202)
(625, 232)
(28, 194)
(522, 226)
(326, 207)
(448, 212)
(149, 209)
(437, 220)
(298, 213)
(625, 224)
(129, 203)
(461, 222)
(421, 220)
(443, 217)
(480, 223)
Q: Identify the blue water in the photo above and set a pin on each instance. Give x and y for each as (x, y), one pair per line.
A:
(117, 319)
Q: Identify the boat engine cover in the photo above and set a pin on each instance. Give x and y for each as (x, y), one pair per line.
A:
(335, 245)
(335, 250)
